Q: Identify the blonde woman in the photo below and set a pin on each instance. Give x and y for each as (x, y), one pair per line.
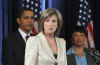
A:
(46, 48)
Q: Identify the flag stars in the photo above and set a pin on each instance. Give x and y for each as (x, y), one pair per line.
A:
(36, 4)
(81, 5)
(84, 12)
(80, 16)
(89, 10)
(36, 16)
(27, 6)
(83, 23)
(78, 23)
(27, 1)
(81, 0)
(84, 7)
(32, 8)
(86, 2)
(84, 18)
(80, 11)
(33, 5)
(36, 10)
(32, 2)
(40, 12)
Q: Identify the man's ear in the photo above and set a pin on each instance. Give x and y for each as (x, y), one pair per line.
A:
(18, 21)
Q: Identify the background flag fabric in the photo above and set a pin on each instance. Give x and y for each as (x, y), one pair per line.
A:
(35, 5)
(85, 19)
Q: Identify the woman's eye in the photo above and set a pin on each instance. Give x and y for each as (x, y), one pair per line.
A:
(47, 20)
(53, 21)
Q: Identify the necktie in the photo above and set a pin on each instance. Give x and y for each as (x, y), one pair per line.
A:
(27, 38)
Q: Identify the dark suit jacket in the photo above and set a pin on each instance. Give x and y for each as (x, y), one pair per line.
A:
(71, 59)
(14, 50)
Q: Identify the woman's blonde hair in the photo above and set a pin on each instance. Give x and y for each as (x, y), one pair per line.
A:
(47, 13)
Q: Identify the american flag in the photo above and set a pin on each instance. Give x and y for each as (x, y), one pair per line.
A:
(35, 5)
(85, 19)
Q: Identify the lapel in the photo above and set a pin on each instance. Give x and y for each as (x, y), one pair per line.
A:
(59, 48)
(20, 39)
(71, 59)
(47, 48)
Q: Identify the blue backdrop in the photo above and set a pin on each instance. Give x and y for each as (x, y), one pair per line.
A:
(0, 30)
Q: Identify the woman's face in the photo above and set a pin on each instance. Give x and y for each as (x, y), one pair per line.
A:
(50, 24)
(79, 38)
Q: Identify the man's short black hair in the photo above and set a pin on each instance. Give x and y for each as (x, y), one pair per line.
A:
(21, 11)
(80, 29)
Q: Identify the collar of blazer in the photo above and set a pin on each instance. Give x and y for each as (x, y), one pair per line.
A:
(47, 48)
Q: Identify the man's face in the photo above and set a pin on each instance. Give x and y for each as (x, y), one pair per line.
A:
(26, 21)
(79, 38)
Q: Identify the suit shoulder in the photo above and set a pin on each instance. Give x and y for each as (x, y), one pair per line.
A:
(33, 38)
(61, 39)
(32, 42)
(12, 34)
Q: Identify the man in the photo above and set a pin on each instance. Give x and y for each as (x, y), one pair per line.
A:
(78, 54)
(15, 43)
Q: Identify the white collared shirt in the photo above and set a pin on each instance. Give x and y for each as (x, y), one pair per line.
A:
(23, 34)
